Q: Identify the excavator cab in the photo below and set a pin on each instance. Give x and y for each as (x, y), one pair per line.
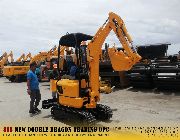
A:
(74, 40)
(74, 91)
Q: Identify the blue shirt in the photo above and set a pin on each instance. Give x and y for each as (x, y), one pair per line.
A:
(73, 70)
(34, 83)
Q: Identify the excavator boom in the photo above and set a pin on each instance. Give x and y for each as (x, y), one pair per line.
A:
(5, 59)
(121, 60)
(43, 56)
(28, 56)
(4, 55)
(21, 58)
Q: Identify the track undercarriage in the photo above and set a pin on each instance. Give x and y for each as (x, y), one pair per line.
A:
(83, 115)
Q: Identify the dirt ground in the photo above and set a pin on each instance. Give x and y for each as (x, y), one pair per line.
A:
(130, 106)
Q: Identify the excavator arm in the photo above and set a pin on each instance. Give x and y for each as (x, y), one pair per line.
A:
(52, 50)
(11, 56)
(43, 56)
(28, 56)
(116, 24)
(21, 58)
(5, 59)
(55, 53)
(2, 56)
(121, 60)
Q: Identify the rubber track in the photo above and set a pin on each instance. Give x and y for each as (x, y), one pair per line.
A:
(103, 112)
(84, 116)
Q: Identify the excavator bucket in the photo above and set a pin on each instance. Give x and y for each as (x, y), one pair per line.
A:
(120, 61)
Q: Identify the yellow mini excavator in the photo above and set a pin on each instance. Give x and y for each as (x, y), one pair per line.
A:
(78, 98)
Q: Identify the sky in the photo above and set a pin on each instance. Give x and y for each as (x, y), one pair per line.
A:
(36, 25)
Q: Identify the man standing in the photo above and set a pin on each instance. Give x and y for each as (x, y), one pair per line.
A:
(33, 89)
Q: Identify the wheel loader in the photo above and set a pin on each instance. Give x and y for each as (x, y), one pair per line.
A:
(78, 98)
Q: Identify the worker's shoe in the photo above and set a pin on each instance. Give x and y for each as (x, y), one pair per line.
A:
(32, 112)
(37, 110)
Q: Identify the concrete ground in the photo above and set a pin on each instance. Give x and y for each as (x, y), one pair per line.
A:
(130, 106)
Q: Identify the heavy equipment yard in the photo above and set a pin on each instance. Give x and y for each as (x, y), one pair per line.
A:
(131, 107)
(79, 93)
(90, 69)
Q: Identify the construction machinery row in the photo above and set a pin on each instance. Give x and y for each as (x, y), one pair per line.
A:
(155, 70)
(16, 71)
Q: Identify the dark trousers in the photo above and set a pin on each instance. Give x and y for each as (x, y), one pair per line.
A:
(35, 99)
